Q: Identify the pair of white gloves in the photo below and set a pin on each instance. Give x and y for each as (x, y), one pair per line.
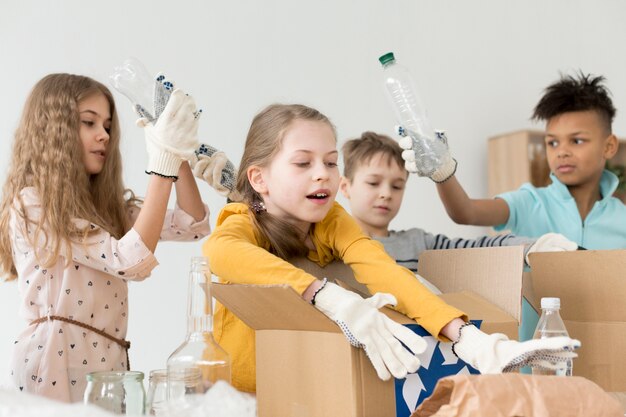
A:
(171, 128)
(173, 138)
(382, 338)
(367, 328)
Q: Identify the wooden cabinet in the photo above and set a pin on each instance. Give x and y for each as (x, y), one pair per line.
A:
(519, 157)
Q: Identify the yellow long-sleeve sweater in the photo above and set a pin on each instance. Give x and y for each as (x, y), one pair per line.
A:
(235, 256)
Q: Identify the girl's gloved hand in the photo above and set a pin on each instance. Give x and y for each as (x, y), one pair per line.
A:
(366, 327)
(495, 353)
(214, 167)
(174, 136)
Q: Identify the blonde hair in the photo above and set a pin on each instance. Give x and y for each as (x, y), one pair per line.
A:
(360, 151)
(264, 141)
(48, 156)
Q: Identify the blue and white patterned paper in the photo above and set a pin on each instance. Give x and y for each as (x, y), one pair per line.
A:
(438, 361)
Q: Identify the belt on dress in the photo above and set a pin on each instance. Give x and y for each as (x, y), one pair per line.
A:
(125, 344)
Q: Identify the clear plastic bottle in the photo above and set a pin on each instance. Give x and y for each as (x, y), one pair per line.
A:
(411, 114)
(134, 81)
(551, 325)
(148, 94)
(199, 354)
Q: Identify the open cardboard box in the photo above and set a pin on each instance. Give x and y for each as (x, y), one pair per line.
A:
(306, 367)
(592, 287)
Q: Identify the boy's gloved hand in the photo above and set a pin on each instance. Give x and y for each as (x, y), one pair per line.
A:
(551, 242)
(426, 157)
(214, 167)
(495, 353)
(174, 136)
(366, 327)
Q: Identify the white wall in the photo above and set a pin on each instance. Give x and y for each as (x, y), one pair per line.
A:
(480, 66)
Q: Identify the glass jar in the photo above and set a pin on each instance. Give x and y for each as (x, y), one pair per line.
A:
(185, 385)
(120, 392)
(157, 392)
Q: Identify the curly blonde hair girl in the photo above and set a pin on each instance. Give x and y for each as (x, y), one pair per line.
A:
(48, 156)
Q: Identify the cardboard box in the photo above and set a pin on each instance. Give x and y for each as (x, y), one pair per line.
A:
(592, 287)
(306, 367)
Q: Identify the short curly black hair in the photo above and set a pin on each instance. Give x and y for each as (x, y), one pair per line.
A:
(576, 93)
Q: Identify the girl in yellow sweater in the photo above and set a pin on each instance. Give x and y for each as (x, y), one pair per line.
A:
(288, 179)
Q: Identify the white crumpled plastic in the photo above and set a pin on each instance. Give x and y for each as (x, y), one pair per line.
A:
(19, 404)
(222, 400)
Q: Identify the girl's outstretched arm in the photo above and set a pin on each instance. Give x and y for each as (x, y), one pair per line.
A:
(152, 215)
(169, 141)
(187, 194)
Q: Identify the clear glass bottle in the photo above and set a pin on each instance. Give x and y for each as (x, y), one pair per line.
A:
(199, 353)
(551, 325)
(411, 113)
(118, 392)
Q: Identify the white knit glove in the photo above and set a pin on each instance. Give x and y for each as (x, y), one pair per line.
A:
(213, 166)
(366, 327)
(426, 157)
(209, 169)
(495, 353)
(174, 136)
(551, 242)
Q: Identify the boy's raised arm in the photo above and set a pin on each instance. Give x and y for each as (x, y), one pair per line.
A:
(465, 210)
(419, 154)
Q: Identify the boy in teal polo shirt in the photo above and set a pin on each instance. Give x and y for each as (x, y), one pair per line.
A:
(578, 204)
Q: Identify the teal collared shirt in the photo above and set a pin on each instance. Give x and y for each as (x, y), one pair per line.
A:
(536, 211)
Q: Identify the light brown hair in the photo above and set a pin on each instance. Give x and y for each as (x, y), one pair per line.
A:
(360, 151)
(264, 141)
(48, 155)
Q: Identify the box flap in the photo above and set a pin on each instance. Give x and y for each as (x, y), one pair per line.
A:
(265, 307)
(337, 271)
(476, 307)
(591, 284)
(528, 292)
(493, 273)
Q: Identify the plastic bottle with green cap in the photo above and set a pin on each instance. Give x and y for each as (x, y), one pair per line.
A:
(411, 114)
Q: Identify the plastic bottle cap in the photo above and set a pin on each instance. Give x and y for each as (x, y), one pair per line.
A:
(550, 302)
(388, 57)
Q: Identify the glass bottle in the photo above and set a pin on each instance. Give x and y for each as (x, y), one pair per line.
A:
(551, 325)
(118, 392)
(199, 362)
